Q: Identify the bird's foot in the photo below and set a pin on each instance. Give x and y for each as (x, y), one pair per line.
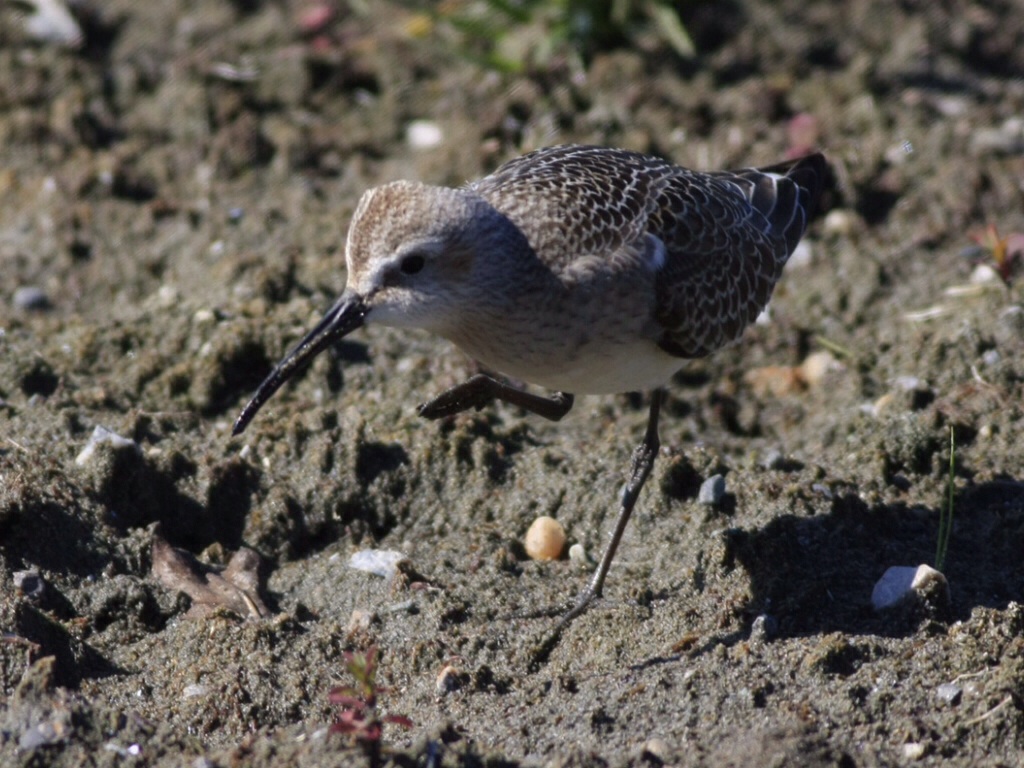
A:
(475, 394)
(540, 653)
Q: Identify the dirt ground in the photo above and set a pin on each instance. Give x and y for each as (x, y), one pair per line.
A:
(174, 198)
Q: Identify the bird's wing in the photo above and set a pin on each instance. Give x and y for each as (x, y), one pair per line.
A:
(578, 202)
(727, 237)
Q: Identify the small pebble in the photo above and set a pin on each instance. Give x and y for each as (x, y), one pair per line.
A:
(773, 459)
(764, 628)
(817, 364)
(31, 298)
(360, 621)
(545, 539)
(30, 584)
(315, 18)
(1008, 138)
(909, 383)
(447, 680)
(983, 274)
(101, 435)
(380, 562)
(839, 222)
(913, 750)
(43, 734)
(949, 693)
(901, 582)
(424, 134)
(578, 555)
(822, 489)
(656, 748)
(712, 491)
(52, 22)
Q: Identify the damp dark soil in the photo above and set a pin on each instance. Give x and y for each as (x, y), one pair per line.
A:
(174, 197)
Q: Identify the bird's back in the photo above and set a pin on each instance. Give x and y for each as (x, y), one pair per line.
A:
(726, 235)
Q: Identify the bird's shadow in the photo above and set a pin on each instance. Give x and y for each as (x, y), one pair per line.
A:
(815, 575)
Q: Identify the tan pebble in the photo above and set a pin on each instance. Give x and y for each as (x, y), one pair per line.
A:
(839, 222)
(815, 366)
(775, 380)
(882, 404)
(360, 621)
(656, 748)
(546, 539)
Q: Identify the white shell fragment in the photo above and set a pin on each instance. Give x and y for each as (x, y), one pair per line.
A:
(51, 22)
(99, 436)
(545, 539)
(379, 562)
(901, 582)
(447, 680)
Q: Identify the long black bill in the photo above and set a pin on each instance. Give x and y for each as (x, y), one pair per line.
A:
(347, 314)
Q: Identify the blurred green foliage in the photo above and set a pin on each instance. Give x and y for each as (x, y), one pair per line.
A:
(513, 35)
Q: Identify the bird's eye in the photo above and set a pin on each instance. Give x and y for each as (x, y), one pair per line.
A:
(412, 264)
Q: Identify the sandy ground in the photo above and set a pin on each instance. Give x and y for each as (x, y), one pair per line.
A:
(174, 197)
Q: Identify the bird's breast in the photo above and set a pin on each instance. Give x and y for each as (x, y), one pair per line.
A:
(565, 352)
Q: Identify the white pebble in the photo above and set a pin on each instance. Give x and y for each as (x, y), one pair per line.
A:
(983, 274)
(909, 383)
(99, 436)
(901, 582)
(30, 583)
(839, 222)
(913, 750)
(424, 134)
(52, 22)
(360, 621)
(949, 693)
(31, 298)
(712, 491)
(578, 555)
(545, 539)
(380, 562)
(816, 366)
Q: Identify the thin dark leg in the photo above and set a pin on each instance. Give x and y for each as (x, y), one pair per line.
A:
(481, 390)
(643, 462)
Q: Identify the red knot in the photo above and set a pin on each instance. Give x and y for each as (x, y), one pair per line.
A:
(582, 270)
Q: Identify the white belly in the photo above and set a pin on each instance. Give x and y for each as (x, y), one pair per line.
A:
(593, 369)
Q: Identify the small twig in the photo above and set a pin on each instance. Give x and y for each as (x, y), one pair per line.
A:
(837, 349)
(17, 445)
(991, 712)
(925, 314)
(969, 675)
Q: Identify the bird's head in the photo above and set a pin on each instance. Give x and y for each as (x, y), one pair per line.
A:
(411, 253)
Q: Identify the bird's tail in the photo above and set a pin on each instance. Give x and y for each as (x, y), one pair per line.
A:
(787, 194)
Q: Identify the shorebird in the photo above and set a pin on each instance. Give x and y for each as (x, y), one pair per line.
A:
(582, 270)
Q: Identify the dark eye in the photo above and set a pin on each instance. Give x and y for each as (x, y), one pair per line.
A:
(412, 264)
